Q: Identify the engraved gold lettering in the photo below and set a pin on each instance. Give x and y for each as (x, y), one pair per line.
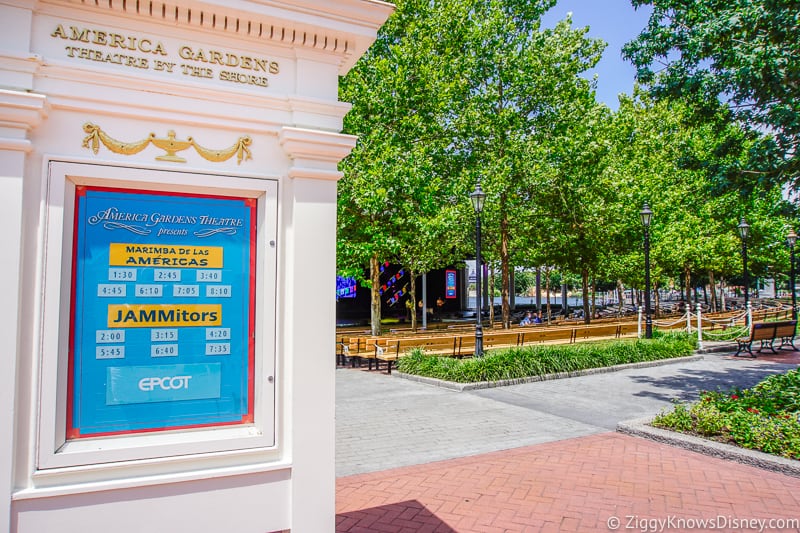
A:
(148, 46)
(102, 38)
(163, 65)
(99, 38)
(216, 57)
(59, 32)
(196, 72)
(117, 41)
(82, 36)
(245, 79)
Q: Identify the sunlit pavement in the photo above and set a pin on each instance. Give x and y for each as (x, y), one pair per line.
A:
(544, 457)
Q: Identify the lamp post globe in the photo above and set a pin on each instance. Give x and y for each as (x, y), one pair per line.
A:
(478, 197)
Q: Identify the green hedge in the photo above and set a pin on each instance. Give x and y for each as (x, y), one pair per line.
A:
(539, 360)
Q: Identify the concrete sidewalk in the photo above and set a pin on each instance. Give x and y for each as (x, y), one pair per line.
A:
(541, 455)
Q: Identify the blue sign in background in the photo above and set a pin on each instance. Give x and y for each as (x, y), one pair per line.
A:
(161, 328)
(450, 284)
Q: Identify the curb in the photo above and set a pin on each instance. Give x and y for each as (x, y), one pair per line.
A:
(641, 428)
(461, 387)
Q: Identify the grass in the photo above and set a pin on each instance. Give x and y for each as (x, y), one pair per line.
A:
(763, 418)
(529, 361)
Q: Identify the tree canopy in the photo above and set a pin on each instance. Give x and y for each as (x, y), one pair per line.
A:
(465, 91)
(745, 53)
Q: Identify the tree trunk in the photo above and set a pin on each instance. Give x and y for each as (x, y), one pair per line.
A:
(687, 274)
(538, 288)
(490, 299)
(547, 292)
(713, 288)
(656, 301)
(620, 297)
(375, 292)
(587, 316)
(413, 296)
(594, 296)
(504, 272)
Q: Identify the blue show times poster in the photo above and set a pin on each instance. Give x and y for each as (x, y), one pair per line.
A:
(450, 283)
(162, 311)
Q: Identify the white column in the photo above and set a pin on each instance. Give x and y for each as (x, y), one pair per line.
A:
(19, 114)
(309, 216)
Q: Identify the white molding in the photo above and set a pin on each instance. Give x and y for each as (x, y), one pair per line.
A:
(315, 173)
(21, 109)
(16, 145)
(311, 145)
(149, 480)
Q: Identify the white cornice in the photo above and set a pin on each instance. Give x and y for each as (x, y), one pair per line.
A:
(22, 110)
(344, 28)
(311, 145)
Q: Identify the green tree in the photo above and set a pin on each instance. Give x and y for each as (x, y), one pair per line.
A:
(520, 86)
(398, 179)
(744, 52)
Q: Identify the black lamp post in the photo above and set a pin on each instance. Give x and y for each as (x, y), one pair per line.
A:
(791, 238)
(647, 216)
(477, 197)
(744, 231)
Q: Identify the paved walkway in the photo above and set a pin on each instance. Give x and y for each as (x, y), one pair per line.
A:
(544, 456)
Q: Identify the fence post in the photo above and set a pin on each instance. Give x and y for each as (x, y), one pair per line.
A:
(689, 318)
(749, 314)
(699, 326)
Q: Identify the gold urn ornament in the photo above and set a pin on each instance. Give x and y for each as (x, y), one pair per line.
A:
(170, 144)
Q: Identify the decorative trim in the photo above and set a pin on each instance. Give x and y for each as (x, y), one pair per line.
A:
(19, 145)
(315, 173)
(22, 110)
(170, 144)
(314, 145)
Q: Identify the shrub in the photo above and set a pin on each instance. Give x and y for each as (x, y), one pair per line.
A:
(763, 418)
(527, 361)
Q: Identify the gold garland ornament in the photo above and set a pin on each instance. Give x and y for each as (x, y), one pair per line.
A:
(169, 144)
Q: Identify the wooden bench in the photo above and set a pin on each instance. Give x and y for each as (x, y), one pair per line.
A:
(353, 350)
(543, 335)
(766, 333)
(390, 350)
(785, 331)
(592, 332)
(494, 341)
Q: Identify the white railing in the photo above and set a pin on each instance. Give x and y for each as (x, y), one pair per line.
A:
(713, 326)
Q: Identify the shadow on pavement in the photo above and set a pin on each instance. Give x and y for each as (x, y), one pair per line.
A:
(409, 515)
(689, 383)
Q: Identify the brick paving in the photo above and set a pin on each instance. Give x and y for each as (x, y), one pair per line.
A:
(540, 457)
(581, 484)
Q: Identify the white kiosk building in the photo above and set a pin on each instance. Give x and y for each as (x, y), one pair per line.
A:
(167, 225)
